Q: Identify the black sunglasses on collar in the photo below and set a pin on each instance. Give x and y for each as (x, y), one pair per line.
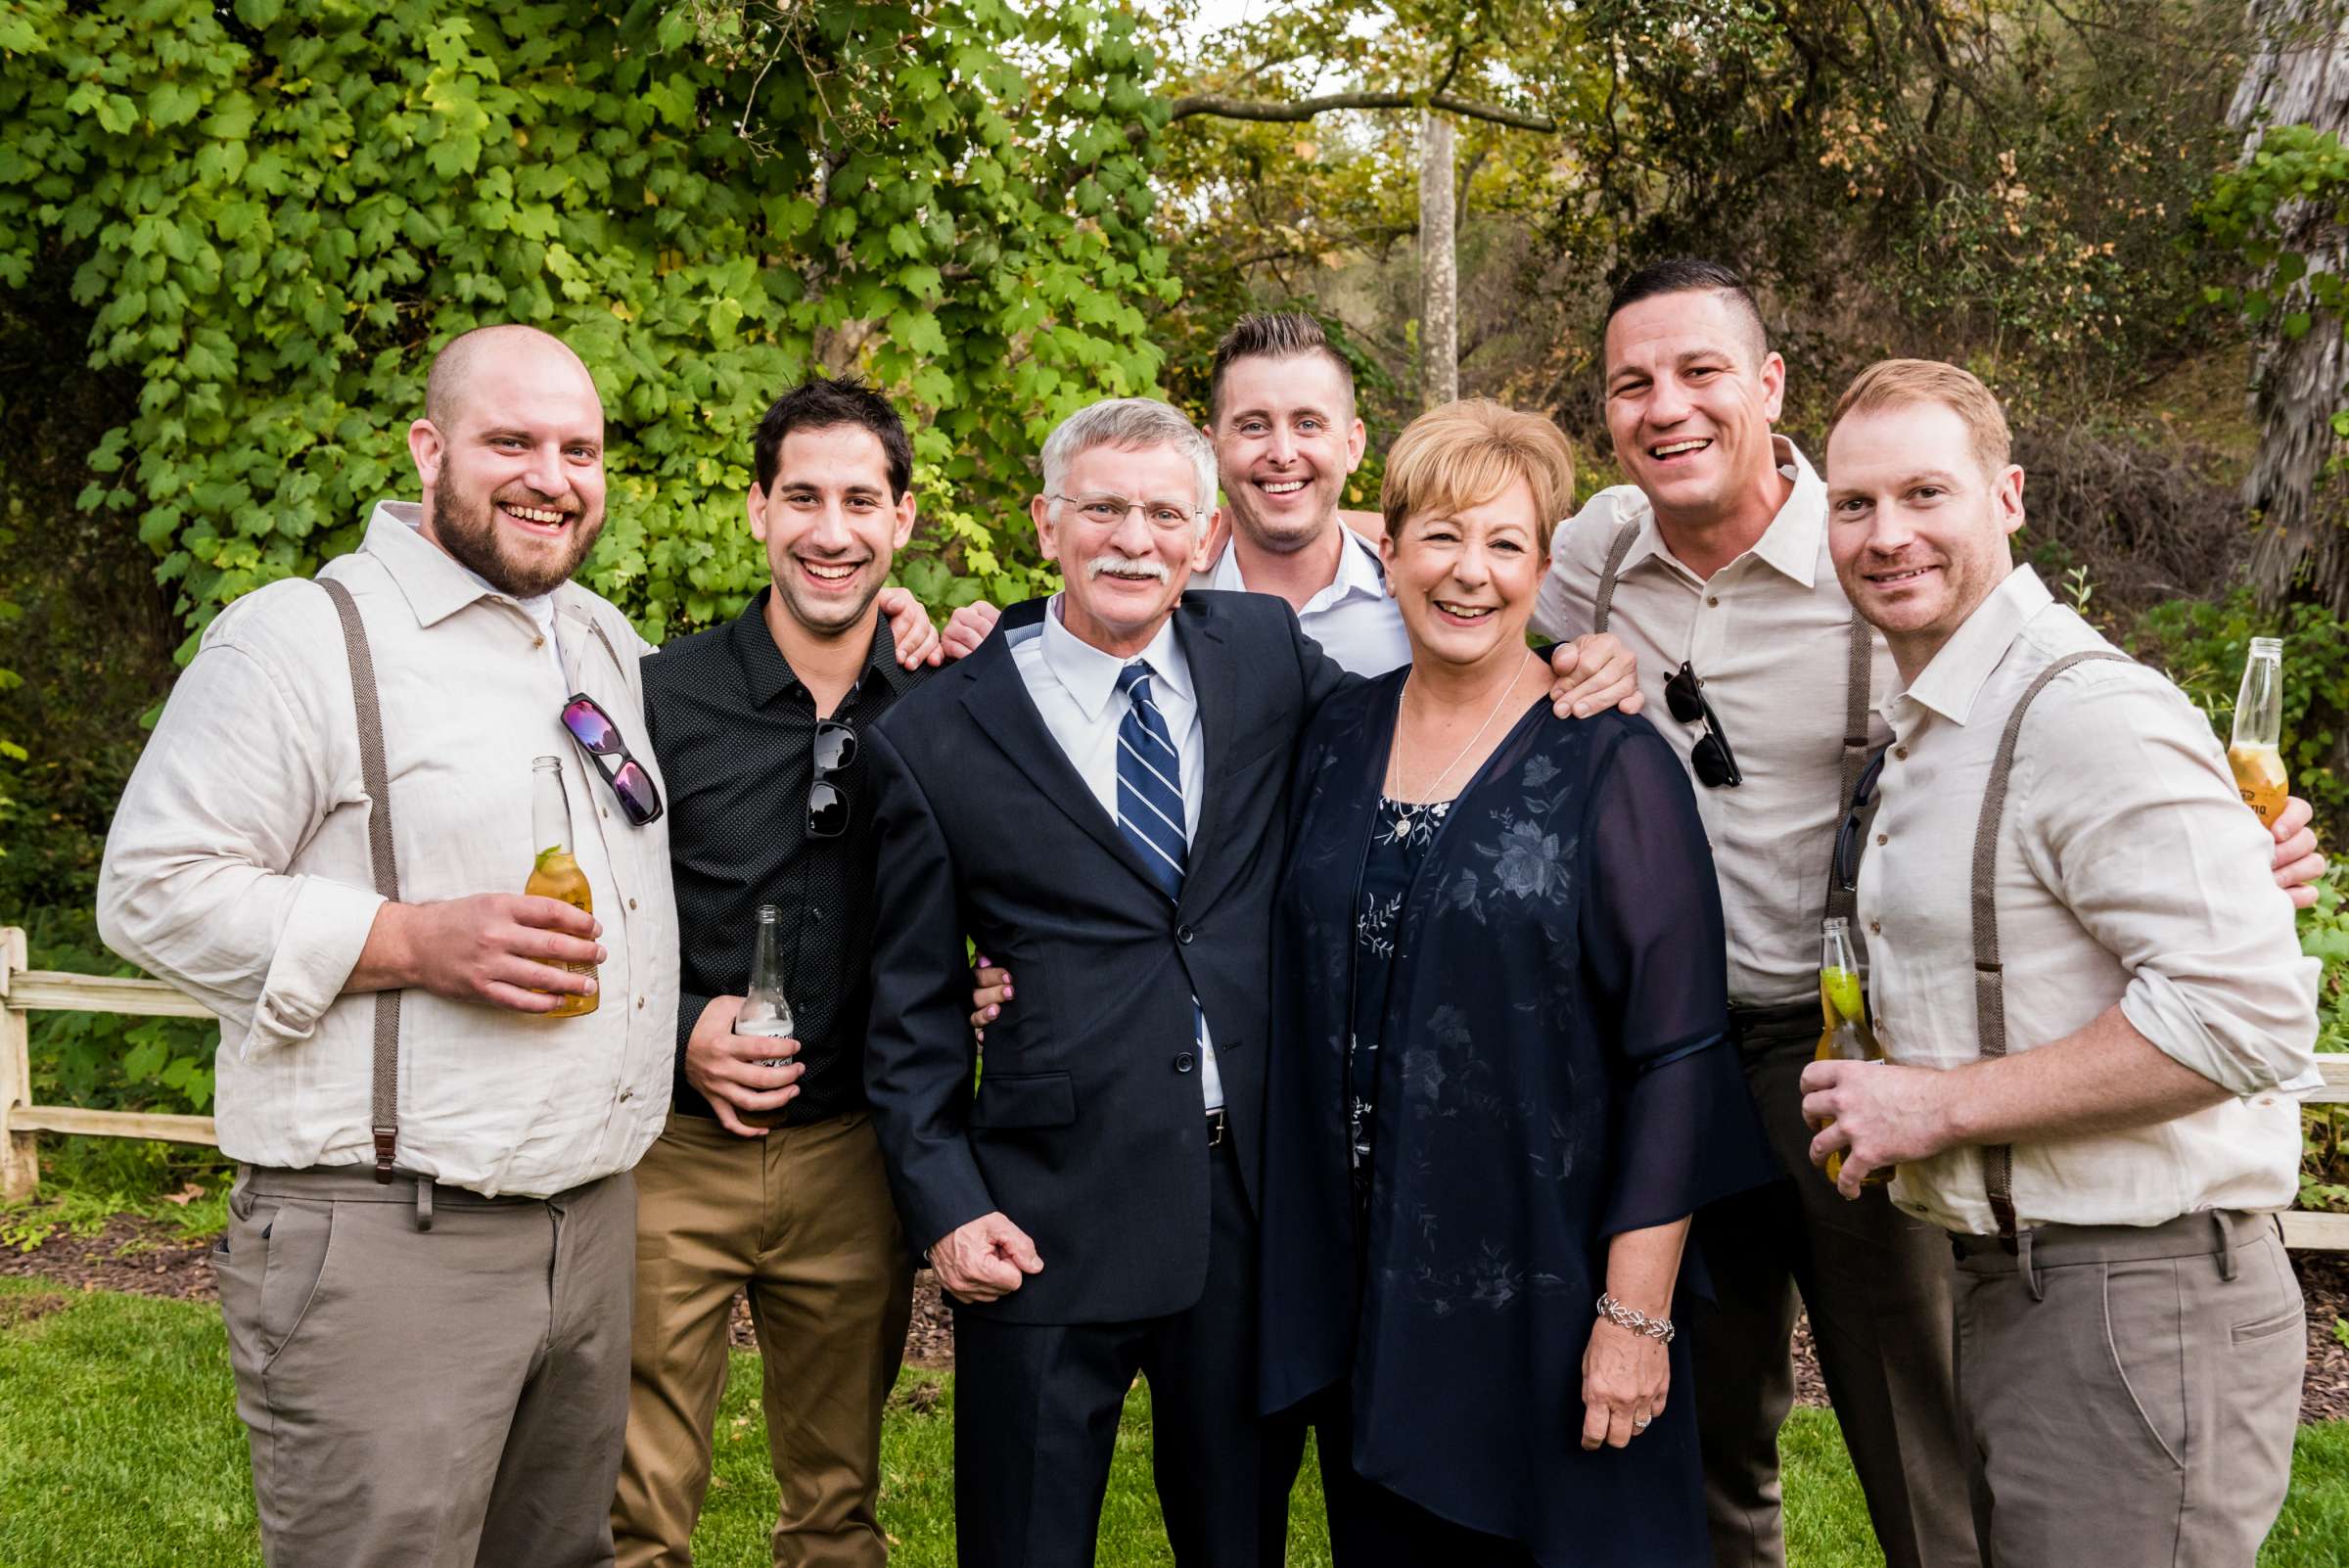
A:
(1714, 764)
(827, 802)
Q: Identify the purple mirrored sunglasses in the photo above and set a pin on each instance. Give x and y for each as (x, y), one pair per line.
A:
(599, 738)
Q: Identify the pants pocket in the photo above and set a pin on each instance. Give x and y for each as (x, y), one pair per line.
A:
(295, 1242)
(2145, 1339)
(2292, 1320)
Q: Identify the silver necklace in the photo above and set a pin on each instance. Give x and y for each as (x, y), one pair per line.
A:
(1403, 812)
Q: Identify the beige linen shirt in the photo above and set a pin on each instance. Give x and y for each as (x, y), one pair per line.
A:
(2128, 872)
(1771, 635)
(238, 868)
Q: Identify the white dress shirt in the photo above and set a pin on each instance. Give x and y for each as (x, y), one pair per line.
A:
(1075, 687)
(1353, 620)
(238, 868)
(1771, 635)
(2129, 871)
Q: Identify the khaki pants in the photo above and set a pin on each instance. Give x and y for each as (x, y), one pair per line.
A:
(802, 1216)
(440, 1398)
(1876, 1284)
(2131, 1395)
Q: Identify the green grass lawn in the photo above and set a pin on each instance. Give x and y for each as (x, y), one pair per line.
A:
(119, 1447)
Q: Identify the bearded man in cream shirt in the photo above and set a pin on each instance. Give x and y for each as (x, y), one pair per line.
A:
(427, 1321)
(2093, 1010)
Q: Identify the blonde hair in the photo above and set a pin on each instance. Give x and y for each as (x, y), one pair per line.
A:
(1900, 383)
(1466, 453)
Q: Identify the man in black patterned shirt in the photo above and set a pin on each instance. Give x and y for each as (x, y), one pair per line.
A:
(771, 1178)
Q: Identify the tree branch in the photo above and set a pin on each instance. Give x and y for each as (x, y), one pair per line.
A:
(1224, 108)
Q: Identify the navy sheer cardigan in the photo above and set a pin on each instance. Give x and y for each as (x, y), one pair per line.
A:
(1554, 1070)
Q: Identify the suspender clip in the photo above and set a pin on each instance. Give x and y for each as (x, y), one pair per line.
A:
(387, 1138)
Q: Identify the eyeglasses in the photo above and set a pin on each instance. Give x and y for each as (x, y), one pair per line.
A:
(592, 727)
(1714, 764)
(827, 802)
(1108, 511)
(1849, 834)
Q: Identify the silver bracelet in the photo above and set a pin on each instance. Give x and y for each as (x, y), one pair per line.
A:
(1659, 1329)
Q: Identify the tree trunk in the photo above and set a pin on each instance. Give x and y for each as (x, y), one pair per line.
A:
(2298, 73)
(1439, 266)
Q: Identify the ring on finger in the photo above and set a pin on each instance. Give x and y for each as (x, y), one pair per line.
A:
(1639, 1423)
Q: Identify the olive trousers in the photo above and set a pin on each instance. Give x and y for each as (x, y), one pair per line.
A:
(802, 1219)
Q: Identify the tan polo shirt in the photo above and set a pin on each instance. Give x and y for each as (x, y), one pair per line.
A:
(238, 868)
(1771, 635)
(2129, 871)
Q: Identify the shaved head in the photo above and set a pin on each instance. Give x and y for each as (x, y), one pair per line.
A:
(510, 452)
(449, 383)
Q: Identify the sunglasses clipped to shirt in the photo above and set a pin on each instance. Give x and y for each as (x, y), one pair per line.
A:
(1714, 764)
(639, 797)
(828, 802)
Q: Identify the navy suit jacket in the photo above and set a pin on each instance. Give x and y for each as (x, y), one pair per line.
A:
(1085, 1125)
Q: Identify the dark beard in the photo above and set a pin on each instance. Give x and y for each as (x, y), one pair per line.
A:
(472, 540)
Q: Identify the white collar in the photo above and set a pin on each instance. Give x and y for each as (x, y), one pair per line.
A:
(1090, 676)
(1359, 573)
(1953, 677)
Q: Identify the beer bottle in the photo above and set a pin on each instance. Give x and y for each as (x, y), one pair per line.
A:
(554, 873)
(765, 1010)
(2256, 753)
(1843, 1007)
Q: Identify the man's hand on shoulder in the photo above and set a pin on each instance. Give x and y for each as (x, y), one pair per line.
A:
(1595, 673)
(909, 629)
(730, 1070)
(969, 627)
(985, 1260)
(2298, 865)
(499, 949)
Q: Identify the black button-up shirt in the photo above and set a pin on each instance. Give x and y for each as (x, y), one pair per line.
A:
(734, 730)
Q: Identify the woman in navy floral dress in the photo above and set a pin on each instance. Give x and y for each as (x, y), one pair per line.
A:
(1499, 1080)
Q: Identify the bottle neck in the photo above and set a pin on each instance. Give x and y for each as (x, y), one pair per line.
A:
(550, 814)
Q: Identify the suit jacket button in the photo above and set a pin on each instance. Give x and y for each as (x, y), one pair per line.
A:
(1183, 1062)
(1182, 933)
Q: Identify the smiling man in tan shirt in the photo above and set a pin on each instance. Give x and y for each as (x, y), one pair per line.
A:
(2094, 1007)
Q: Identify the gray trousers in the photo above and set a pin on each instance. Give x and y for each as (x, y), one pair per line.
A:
(1876, 1284)
(440, 1398)
(2130, 1394)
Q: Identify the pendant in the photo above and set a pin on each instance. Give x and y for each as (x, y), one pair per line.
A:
(1402, 822)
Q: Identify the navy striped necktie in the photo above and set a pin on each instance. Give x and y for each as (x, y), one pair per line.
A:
(1150, 783)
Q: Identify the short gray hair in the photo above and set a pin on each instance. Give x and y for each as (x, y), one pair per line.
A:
(1128, 421)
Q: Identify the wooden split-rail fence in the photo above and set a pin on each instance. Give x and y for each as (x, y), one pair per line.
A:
(24, 992)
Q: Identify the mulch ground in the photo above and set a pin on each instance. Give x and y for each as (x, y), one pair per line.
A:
(149, 1260)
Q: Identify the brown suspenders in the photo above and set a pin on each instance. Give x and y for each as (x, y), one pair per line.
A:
(384, 1109)
(1840, 902)
(1990, 981)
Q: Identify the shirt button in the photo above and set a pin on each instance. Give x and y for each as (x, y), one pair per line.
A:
(1183, 934)
(1876, 928)
(626, 1096)
(1714, 600)
(1900, 752)
(1883, 838)
(537, 642)
(631, 904)
(640, 1004)
(1183, 1062)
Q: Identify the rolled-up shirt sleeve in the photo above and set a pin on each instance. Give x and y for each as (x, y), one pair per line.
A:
(195, 886)
(2135, 825)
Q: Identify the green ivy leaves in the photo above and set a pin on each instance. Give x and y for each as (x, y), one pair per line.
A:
(273, 214)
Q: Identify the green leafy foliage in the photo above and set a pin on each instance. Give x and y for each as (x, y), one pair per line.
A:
(272, 214)
(2294, 165)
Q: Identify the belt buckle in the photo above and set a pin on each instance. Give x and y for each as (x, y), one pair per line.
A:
(1214, 1129)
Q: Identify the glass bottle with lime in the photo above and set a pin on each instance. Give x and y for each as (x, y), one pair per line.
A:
(1843, 1007)
(554, 872)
